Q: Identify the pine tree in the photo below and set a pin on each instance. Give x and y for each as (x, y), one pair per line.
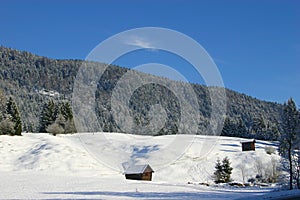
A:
(227, 128)
(227, 169)
(258, 127)
(2, 104)
(12, 110)
(66, 111)
(275, 131)
(288, 139)
(218, 174)
(241, 128)
(48, 116)
(223, 171)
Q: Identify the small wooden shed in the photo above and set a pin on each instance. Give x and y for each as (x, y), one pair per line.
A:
(139, 172)
(248, 145)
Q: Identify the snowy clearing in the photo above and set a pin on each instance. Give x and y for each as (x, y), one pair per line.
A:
(42, 166)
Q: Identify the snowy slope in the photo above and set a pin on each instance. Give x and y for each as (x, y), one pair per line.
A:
(78, 166)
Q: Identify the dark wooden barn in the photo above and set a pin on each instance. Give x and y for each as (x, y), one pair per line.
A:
(248, 146)
(139, 172)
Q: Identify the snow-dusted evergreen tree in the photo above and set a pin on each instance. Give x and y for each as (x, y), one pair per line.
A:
(218, 174)
(13, 112)
(66, 111)
(289, 140)
(222, 171)
(227, 128)
(234, 128)
(258, 127)
(58, 113)
(48, 116)
(275, 131)
(2, 104)
(272, 131)
(227, 169)
(241, 128)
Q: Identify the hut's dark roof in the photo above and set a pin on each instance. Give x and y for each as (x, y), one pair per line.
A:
(138, 169)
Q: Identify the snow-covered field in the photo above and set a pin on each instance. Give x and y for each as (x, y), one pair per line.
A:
(84, 166)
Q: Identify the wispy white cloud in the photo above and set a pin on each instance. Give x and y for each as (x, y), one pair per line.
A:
(139, 42)
(220, 61)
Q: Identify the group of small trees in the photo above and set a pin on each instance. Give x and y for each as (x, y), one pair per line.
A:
(10, 120)
(289, 148)
(267, 172)
(223, 171)
(259, 128)
(57, 118)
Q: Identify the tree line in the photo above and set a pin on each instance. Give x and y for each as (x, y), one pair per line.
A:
(22, 74)
(56, 117)
(289, 148)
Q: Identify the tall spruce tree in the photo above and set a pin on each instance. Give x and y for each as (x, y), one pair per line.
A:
(259, 127)
(48, 116)
(290, 138)
(241, 128)
(13, 112)
(227, 128)
(218, 174)
(67, 113)
(2, 104)
(227, 169)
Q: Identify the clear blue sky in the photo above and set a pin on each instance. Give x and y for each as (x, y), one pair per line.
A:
(255, 44)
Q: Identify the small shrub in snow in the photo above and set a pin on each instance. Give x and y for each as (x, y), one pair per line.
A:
(7, 127)
(270, 150)
(251, 180)
(55, 129)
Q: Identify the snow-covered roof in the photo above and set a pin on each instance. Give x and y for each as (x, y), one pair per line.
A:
(138, 169)
(249, 141)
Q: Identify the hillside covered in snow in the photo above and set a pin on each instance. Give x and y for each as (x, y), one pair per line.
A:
(88, 166)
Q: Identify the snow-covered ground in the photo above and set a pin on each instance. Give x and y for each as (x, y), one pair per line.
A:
(87, 166)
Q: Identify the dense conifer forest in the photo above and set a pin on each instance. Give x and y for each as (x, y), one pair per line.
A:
(34, 81)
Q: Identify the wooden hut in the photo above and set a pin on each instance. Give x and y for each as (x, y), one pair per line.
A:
(248, 146)
(139, 172)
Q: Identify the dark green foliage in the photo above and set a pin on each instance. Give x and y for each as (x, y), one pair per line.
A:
(58, 113)
(241, 128)
(234, 128)
(218, 174)
(227, 128)
(13, 112)
(227, 169)
(10, 120)
(23, 75)
(258, 129)
(258, 125)
(47, 116)
(2, 104)
(290, 140)
(222, 171)
(66, 117)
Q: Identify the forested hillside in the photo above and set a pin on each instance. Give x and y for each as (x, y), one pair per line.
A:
(34, 80)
